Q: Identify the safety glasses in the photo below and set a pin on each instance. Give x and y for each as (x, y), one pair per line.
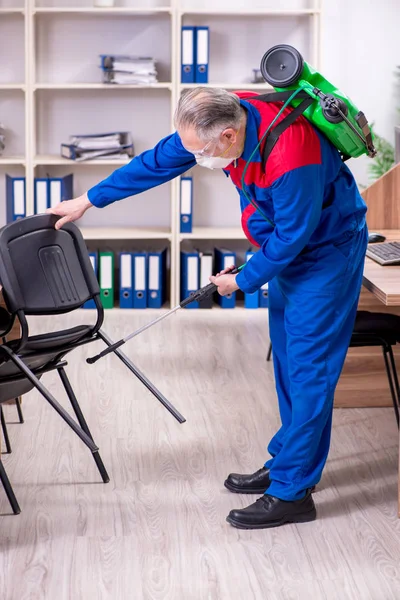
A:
(208, 149)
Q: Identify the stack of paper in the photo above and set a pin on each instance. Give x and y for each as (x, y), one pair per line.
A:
(2, 138)
(99, 146)
(134, 70)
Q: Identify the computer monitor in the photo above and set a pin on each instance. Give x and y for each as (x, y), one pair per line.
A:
(397, 144)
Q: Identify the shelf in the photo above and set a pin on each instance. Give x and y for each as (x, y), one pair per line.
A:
(125, 233)
(214, 233)
(103, 11)
(101, 86)
(12, 11)
(12, 160)
(230, 86)
(251, 13)
(59, 160)
(12, 86)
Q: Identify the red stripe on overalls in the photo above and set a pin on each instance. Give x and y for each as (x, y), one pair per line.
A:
(246, 214)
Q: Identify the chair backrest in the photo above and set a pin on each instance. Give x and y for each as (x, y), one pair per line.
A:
(44, 270)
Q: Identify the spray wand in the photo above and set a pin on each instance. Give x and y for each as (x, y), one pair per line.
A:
(197, 296)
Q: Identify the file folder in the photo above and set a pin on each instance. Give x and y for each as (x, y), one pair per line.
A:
(225, 258)
(263, 296)
(206, 270)
(87, 147)
(188, 58)
(93, 259)
(189, 275)
(186, 204)
(41, 195)
(139, 280)
(202, 54)
(60, 189)
(50, 191)
(156, 286)
(15, 198)
(251, 300)
(125, 280)
(106, 264)
(130, 64)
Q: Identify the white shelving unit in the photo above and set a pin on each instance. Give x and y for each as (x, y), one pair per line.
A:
(11, 11)
(125, 233)
(92, 10)
(51, 87)
(48, 159)
(213, 233)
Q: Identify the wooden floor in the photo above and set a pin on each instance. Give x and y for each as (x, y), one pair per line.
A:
(157, 531)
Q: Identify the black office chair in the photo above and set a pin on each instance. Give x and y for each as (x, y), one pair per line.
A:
(4, 424)
(377, 329)
(4, 322)
(380, 329)
(5, 430)
(48, 272)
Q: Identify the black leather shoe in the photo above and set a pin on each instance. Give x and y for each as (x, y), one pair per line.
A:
(269, 511)
(257, 483)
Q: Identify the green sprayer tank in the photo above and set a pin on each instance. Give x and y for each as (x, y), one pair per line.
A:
(332, 112)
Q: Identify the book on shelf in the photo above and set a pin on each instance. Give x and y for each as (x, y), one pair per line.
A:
(98, 146)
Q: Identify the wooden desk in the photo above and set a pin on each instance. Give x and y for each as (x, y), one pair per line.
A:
(384, 282)
(363, 370)
(364, 381)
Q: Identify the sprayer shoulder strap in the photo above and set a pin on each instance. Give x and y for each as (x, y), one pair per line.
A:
(273, 136)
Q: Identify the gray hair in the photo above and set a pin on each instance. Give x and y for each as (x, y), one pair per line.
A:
(208, 110)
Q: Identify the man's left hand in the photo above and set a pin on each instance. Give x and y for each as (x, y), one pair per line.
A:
(226, 284)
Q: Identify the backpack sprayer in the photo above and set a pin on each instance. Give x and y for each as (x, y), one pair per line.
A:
(297, 84)
(327, 108)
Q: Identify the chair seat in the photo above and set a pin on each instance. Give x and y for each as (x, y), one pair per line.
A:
(54, 339)
(383, 325)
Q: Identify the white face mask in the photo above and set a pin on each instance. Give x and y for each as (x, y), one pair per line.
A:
(214, 162)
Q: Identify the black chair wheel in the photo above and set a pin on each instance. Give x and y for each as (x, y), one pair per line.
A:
(282, 65)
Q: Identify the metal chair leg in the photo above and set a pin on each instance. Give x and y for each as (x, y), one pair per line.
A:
(5, 432)
(394, 373)
(8, 489)
(82, 421)
(128, 363)
(391, 385)
(50, 399)
(19, 409)
(269, 352)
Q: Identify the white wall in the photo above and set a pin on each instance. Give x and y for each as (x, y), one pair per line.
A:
(360, 52)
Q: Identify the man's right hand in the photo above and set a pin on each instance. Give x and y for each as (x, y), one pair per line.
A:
(70, 210)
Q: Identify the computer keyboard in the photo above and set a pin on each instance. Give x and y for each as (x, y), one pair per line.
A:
(387, 253)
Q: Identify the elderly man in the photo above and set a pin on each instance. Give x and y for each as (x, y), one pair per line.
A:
(308, 220)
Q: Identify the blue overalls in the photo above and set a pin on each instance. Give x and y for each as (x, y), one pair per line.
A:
(313, 259)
